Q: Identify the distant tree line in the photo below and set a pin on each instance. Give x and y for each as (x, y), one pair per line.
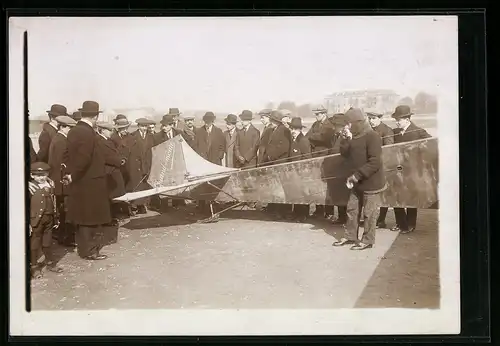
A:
(423, 103)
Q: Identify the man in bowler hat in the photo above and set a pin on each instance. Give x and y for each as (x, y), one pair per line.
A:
(230, 138)
(247, 142)
(58, 156)
(209, 140)
(88, 201)
(265, 115)
(362, 147)
(406, 131)
(49, 130)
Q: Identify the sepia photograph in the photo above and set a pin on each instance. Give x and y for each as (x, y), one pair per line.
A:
(234, 175)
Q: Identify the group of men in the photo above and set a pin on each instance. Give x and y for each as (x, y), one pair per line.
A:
(89, 163)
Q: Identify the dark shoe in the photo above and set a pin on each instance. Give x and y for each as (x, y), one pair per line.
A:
(361, 246)
(406, 231)
(96, 257)
(381, 225)
(343, 242)
(54, 268)
(36, 272)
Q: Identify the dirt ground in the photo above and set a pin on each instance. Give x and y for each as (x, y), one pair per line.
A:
(246, 260)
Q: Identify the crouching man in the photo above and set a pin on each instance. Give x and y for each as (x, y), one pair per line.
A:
(363, 148)
(43, 219)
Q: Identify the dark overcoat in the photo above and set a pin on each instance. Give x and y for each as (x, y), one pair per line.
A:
(161, 136)
(386, 133)
(278, 147)
(33, 157)
(264, 141)
(112, 158)
(210, 147)
(230, 140)
(88, 202)
(300, 149)
(320, 136)
(58, 154)
(48, 132)
(247, 145)
(412, 133)
(121, 143)
(139, 162)
(189, 136)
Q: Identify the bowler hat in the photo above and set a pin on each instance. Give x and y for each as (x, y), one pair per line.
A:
(90, 108)
(246, 115)
(354, 114)
(265, 112)
(57, 110)
(168, 119)
(209, 116)
(121, 123)
(40, 167)
(105, 125)
(144, 121)
(276, 116)
(296, 123)
(231, 119)
(402, 111)
(66, 120)
(173, 111)
(76, 115)
(120, 116)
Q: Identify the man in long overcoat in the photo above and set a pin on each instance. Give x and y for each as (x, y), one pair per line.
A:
(58, 155)
(387, 135)
(230, 138)
(320, 136)
(139, 163)
(120, 138)
(209, 140)
(247, 142)
(279, 141)
(88, 203)
(189, 130)
(49, 131)
(406, 131)
(265, 115)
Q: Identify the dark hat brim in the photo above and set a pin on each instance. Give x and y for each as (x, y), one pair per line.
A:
(396, 115)
(81, 110)
(165, 123)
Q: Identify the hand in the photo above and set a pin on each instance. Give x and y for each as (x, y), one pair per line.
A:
(56, 226)
(242, 159)
(32, 187)
(67, 179)
(346, 134)
(351, 181)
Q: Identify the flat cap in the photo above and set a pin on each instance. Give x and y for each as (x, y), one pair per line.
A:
(354, 114)
(39, 167)
(188, 117)
(65, 120)
(319, 109)
(144, 121)
(105, 125)
(265, 112)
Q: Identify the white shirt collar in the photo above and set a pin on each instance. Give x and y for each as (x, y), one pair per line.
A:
(86, 121)
(405, 128)
(209, 128)
(53, 125)
(62, 133)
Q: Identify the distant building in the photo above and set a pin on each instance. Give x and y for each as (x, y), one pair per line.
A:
(383, 101)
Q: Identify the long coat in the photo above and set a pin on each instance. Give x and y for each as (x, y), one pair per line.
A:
(278, 147)
(210, 147)
(412, 133)
(247, 145)
(139, 162)
(58, 154)
(121, 143)
(189, 136)
(386, 133)
(88, 202)
(320, 136)
(264, 140)
(33, 157)
(112, 158)
(48, 132)
(230, 140)
(300, 148)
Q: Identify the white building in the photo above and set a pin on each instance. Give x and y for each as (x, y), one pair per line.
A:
(383, 101)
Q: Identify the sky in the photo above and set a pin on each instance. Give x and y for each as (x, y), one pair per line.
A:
(230, 64)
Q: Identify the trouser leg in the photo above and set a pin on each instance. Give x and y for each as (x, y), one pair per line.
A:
(352, 223)
(411, 217)
(371, 210)
(382, 214)
(87, 240)
(342, 213)
(401, 219)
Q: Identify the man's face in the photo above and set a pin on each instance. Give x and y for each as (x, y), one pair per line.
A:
(245, 123)
(143, 128)
(374, 121)
(319, 116)
(402, 122)
(239, 125)
(208, 122)
(190, 123)
(40, 178)
(123, 131)
(230, 126)
(151, 128)
(265, 120)
(167, 128)
(295, 132)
